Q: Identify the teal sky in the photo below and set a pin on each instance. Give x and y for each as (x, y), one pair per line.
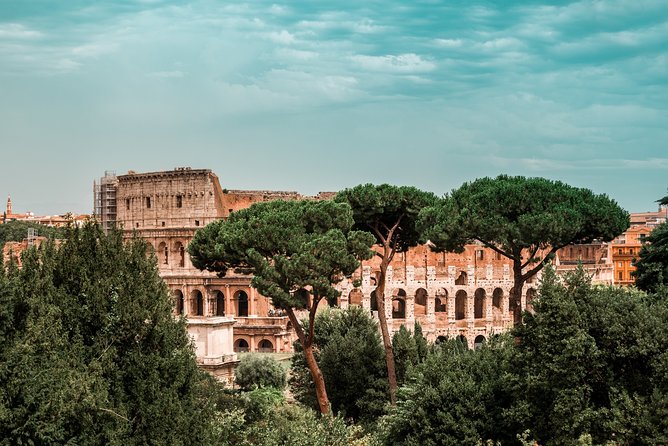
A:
(314, 95)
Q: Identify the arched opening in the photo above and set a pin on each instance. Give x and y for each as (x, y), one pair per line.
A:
(497, 296)
(355, 297)
(374, 302)
(440, 303)
(441, 340)
(479, 304)
(197, 303)
(181, 252)
(398, 308)
(178, 301)
(479, 341)
(163, 254)
(398, 304)
(265, 346)
(531, 294)
(241, 299)
(460, 305)
(220, 303)
(461, 280)
(420, 306)
(240, 345)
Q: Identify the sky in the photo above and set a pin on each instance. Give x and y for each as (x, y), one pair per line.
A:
(318, 96)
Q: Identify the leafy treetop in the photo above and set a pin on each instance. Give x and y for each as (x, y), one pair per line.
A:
(287, 245)
(381, 208)
(515, 215)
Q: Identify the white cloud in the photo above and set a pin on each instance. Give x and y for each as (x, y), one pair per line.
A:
(284, 37)
(402, 63)
(299, 55)
(448, 43)
(17, 31)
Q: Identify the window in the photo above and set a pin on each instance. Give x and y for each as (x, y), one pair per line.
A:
(148, 202)
(163, 224)
(480, 254)
(642, 238)
(196, 222)
(631, 251)
(621, 275)
(620, 264)
(620, 251)
(179, 201)
(127, 203)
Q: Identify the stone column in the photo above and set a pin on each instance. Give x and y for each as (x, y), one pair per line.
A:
(251, 302)
(229, 307)
(431, 309)
(451, 307)
(410, 311)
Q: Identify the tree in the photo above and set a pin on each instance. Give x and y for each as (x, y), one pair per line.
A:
(524, 219)
(410, 349)
(350, 355)
(91, 351)
(389, 213)
(592, 362)
(289, 247)
(16, 231)
(257, 371)
(455, 397)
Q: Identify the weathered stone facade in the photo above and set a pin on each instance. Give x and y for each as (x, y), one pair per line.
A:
(465, 295)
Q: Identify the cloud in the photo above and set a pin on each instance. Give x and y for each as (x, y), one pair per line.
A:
(284, 37)
(402, 63)
(17, 31)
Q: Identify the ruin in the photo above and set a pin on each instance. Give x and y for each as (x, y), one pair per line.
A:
(451, 295)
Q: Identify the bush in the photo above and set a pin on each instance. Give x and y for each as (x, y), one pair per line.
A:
(258, 371)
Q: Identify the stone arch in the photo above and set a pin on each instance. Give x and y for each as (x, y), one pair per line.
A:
(479, 341)
(497, 298)
(515, 306)
(180, 251)
(441, 340)
(197, 303)
(441, 301)
(241, 345)
(373, 303)
(461, 279)
(179, 302)
(355, 297)
(220, 303)
(479, 304)
(460, 304)
(241, 300)
(163, 254)
(398, 308)
(420, 306)
(265, 346)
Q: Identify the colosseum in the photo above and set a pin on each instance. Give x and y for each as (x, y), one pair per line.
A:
(451, 295)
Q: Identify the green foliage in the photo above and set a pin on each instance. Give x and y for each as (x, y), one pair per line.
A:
(379, 208)
(652, 265)
(287, 245)
(296, 425)
(454, 397)
(92, 354)
(257, 371)
(351, 359)
(592, 362)
(409, 350)
(16, 231)
(520, 216)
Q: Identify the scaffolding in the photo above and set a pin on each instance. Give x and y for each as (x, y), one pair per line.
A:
(104, 196)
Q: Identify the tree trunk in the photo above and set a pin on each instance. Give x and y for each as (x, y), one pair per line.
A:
(516, 294)
(387, 340)
(316, 373)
